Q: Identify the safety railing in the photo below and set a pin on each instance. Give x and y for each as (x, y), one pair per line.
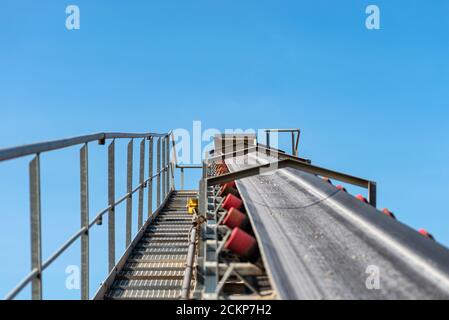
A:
(296, 134)
(164, 184)
(179, 166)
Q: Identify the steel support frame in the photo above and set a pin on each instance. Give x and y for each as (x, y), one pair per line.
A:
(291, 163)
(36, 235)
(260, 149)
(158, 179)
(141, 182)
(129, 186)
(163, 167)
(84, 192)
(150, 175)
(213, 272)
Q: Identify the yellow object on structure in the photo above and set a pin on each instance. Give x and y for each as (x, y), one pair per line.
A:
(192, 204)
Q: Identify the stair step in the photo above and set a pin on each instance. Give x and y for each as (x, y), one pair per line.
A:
(166, 240)
(170, 234)
(150, 274)
(175, 222)
(152, 250)
(120, 294)
(181, 244)
(163, 284)
(167, 232)
(174, 217)
(179, 266)
(168, 226)
(174, 212)
(141, 257)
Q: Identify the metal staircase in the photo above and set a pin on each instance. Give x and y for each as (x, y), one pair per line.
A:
(155, 267)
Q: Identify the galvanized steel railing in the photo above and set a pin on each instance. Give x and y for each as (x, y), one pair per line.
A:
(296, 134)
(164, 184)
(181, 167)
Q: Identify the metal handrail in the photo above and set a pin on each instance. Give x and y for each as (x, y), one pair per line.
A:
(30, 149)
(295, 140)
(35, 206)
(182, 167)
(186, 282)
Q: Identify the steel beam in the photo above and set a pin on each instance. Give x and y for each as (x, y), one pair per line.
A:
(129, 186)
(17, 152)
(163, 168)
(268, 151)
(158, 179)
(36, 236)
(182, 178)
(84, 178)
(150, 175)
(141, 183)
(111, 202)
(287, 163)
(167, 163)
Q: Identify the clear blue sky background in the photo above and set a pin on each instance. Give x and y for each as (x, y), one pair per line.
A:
(371, 103)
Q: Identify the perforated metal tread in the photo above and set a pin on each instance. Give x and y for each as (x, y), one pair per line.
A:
(143, 294)
(151, 274)
(151, 250)
(155, 267)
(149, 239)
(163, 284)
(169, 227)
(139, 257)
(166, 217)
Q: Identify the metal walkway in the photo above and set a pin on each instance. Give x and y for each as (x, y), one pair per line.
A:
(155, 267)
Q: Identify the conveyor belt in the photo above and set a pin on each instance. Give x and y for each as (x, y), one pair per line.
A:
(318, 242)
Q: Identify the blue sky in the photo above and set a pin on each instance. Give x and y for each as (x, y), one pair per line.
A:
(370, 103)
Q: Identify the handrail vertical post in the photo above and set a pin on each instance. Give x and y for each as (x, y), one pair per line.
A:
(182, 178)
(141, 182)
(158, 179)
(129, 186)
(372, 193)
(111, 201)
(36, 236)
(84, 183)
(293, 144)
(297, 143)
(202, 205)
(174, 159)
(167, 163)
(164, 169)
(150, 181)
(268, 138)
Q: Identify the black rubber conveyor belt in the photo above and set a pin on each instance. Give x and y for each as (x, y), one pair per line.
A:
(318, 242)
